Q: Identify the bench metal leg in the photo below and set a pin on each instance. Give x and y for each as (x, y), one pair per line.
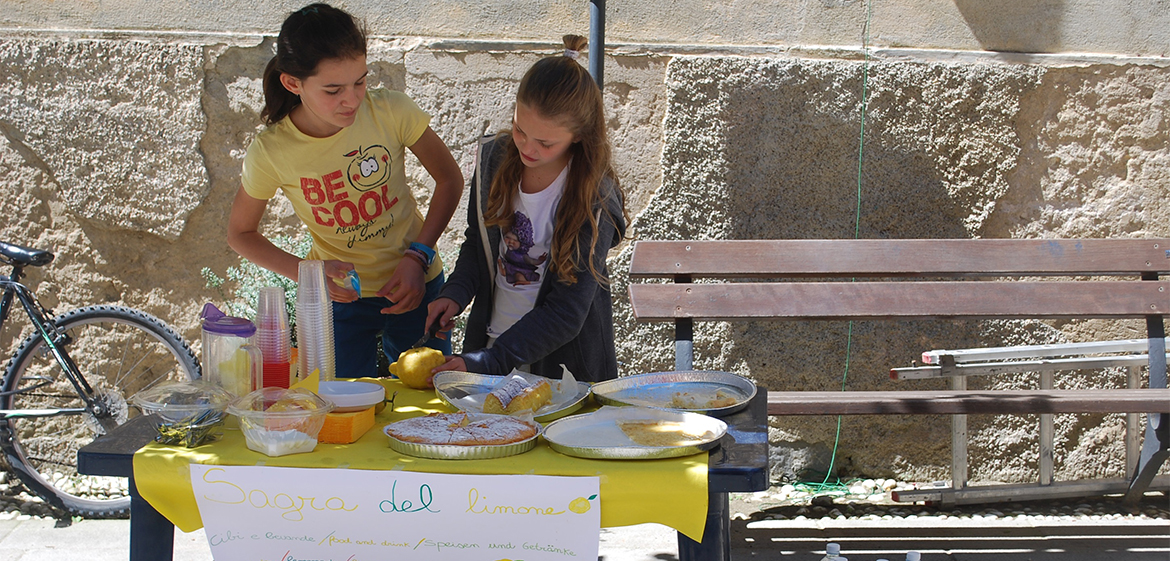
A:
(684, 336)
(1156, 448)
(1155, 451)
(152, 536)
(716, 544)
(684, 344)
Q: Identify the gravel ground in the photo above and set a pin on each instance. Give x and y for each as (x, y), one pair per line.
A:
(16, 503)
(865, 499)
(870, 499)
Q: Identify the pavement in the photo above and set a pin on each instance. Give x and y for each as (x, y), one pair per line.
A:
(937, 538)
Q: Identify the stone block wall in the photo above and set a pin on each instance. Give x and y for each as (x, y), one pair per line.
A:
(120, 151)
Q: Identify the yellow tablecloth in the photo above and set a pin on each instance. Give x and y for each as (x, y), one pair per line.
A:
(672, 492)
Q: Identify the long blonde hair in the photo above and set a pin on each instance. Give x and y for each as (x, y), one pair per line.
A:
(560, 89)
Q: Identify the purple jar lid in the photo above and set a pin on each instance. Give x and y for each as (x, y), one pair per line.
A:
(215, 321)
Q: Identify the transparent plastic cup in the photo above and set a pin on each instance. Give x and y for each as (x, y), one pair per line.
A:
(272, 330)
(270, 303)
(314, 322)
(311, 281)
(277, 375)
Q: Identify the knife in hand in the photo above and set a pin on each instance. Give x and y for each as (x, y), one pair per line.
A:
(430, 333)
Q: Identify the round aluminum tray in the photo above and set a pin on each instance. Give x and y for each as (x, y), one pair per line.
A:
(453, 452)
(658, 389)
(453, 388)
(596, 435)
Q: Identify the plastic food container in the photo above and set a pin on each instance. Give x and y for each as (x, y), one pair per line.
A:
(351, 396)
(279, 421)
(188, 411)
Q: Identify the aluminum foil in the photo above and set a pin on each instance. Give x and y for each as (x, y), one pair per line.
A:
(658, 390)
(596, 435)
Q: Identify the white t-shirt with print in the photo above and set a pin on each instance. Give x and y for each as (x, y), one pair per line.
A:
(524, 255)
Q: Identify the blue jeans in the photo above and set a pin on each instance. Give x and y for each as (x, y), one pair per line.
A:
(357, 325)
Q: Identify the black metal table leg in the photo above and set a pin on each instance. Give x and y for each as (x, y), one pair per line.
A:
(716, 544)
(152, 536)
(738, 465)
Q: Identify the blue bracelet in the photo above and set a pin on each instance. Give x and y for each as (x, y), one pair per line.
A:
(425, 251)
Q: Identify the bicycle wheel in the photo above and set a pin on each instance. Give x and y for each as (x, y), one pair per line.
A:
(120, 352)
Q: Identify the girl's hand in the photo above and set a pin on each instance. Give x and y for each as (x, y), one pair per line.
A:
(334, 271)
(406, 286)
(442, 310)
(454, 362)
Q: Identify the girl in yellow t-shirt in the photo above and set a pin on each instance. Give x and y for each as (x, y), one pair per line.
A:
(336, 151)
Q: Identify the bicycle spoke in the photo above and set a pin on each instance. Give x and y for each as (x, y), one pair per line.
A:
(118, 352)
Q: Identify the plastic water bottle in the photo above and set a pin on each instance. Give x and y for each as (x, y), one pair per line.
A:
(832, 552)
(913, 556)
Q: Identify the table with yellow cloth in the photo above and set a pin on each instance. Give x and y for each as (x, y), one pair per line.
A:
(672, 492)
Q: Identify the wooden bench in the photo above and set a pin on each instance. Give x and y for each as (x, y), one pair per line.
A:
(924, 279)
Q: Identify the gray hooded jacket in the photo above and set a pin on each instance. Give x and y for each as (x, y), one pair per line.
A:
(570, 324)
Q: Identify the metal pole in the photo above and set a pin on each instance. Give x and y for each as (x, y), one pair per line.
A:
(597, 40)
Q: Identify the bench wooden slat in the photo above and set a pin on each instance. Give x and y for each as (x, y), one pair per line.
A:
(949, 402)
(899, 300)
(892, 258)
(974, 269)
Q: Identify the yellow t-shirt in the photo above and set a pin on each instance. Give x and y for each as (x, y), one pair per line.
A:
(350, 188)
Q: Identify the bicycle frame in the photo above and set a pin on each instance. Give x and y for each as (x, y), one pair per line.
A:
(55, 340)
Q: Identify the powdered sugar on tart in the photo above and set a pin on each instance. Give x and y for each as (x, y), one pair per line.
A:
(460, 430)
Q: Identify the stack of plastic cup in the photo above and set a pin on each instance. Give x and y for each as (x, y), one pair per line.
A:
(314, 322)
(272, 334)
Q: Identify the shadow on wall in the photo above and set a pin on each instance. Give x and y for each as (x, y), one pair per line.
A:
(1031, 26)
(792, 167)
(792, 173)
(769, 150)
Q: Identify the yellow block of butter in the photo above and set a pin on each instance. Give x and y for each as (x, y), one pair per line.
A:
(345, 428)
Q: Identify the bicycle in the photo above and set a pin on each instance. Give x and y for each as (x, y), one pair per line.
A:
(68, 382)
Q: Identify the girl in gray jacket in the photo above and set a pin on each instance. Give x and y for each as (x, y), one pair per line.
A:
(545, 209)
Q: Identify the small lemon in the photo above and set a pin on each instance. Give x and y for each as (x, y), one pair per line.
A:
(414, 366)
(580, 505)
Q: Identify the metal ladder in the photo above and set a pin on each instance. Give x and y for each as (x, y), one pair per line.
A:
(1132, 354)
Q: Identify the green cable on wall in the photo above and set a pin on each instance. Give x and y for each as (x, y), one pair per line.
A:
(824, 485)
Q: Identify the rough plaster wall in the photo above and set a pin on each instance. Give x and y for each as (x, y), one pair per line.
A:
(116, 124)
(1097, 163)
(1132, 27)
(101, 165)
(468, 95)
(767, 148)
(472, 94)
(706, 146)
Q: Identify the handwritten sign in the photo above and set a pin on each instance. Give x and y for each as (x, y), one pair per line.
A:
(292, 514)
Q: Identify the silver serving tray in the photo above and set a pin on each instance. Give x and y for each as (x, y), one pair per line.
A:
(455, 452)
(658, 389)
(452, 387)
(596, 435)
